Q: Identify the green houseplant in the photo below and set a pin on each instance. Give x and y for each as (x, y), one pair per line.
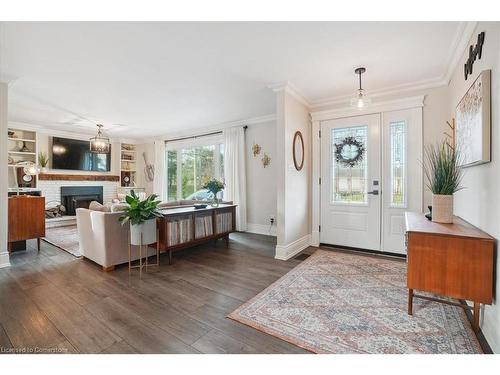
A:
(141, 214)
(214, 186)
(43, 161)
(444, 176)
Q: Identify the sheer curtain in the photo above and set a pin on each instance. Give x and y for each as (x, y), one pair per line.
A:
(160, 178)
(235, 173)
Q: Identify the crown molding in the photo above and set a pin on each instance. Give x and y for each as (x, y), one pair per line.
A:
(291, 89)
(377, 107)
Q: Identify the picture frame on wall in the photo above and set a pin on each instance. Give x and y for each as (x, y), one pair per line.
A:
(473, 122)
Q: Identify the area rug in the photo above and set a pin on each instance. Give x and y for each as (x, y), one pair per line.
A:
(65, 238)
(336, 302)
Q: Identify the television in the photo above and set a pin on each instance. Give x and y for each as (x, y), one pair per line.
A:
(74, 154)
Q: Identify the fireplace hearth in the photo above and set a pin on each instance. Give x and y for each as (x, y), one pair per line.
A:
(73, 197)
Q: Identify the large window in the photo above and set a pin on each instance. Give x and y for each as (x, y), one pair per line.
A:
(188, 168)
(398, 164)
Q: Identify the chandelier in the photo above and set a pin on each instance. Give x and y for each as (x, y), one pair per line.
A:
(100, 144)
(360, 100)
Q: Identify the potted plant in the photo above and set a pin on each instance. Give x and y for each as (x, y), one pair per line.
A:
(43, 161)
(444, 175)
(142, 216)
(214, 186)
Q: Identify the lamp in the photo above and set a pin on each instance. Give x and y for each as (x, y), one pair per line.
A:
(360, 100)
(99, 144)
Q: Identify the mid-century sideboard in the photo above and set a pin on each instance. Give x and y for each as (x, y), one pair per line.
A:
(184, 227)
(452, 260)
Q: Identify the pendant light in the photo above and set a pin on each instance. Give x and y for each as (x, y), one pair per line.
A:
(100, 144)
(360, 100)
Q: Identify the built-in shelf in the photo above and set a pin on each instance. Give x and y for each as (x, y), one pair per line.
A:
(128, 160)
(22, 140)
(22, 153)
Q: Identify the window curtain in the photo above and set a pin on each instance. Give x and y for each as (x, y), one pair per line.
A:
(160, 178)
(235, 173)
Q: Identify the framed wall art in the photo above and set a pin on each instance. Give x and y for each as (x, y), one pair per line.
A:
(473, 122)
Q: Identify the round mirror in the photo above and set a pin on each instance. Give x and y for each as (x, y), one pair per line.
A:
(298, 150)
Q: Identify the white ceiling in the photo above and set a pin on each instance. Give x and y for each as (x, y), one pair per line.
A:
(146, 79)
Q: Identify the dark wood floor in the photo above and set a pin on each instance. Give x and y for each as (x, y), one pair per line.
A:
(53, 302)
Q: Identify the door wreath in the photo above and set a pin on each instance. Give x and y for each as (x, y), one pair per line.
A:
(350, 152)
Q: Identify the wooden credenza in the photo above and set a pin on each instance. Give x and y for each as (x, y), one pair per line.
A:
(452, 260)
(26, 218)
(184, 227)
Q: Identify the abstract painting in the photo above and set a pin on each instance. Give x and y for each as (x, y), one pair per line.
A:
(473, 122)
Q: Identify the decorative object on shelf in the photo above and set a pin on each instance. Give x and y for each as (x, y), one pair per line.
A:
(350, 152)
(149, 170)
(473, 122)
(474, 53)
(11, 134)
(444, 175)
(43, 161)
(298, 150)
(100, 144)
(266, 160)
(360, 101)
(31, 169)
(142, 214)
(214, 186)
(256, 149)
(428, 215)
(24, 148)
(11, 161)
(126, 180)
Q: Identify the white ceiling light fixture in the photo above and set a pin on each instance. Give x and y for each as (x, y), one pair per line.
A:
(360, 101)
(100, 144)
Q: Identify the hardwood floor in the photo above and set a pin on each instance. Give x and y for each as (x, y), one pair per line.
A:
(53, 302)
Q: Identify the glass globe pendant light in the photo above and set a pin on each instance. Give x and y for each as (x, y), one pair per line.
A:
(360, 100)
(99, 144)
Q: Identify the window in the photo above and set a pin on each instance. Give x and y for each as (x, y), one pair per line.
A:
(188, 168)
(398, 163)
(349, 182)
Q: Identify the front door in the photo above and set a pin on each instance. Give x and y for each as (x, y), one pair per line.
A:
(350, 182)
(371, 174)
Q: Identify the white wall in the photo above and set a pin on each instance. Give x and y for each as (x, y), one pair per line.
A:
(293, 187)
(479, 202)
(4, 255)
(261, 182)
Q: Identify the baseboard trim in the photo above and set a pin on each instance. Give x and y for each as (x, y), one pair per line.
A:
(4, 260)
(261, 229)
(285, 252)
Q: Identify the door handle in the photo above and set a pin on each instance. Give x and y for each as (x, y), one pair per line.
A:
(374, 192)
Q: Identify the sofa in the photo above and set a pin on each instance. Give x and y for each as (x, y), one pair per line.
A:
(104, 240)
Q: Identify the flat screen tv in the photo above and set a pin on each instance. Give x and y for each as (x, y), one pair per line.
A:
(74, 154)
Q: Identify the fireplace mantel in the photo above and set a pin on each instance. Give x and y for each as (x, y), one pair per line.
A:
(77, 177)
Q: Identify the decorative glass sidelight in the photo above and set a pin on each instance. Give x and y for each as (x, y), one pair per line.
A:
(398, 163)
(349, 161)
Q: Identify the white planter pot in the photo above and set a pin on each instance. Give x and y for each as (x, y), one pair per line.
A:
(442, 208)
(148, 231)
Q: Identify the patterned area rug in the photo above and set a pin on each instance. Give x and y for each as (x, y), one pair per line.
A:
(65, 238)
(346, 303)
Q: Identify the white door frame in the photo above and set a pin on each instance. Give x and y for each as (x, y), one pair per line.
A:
(324, 115)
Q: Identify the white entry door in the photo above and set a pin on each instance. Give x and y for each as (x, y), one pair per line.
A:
(370, 175)
(350, 182)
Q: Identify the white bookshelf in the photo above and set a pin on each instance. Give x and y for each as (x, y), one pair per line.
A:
(128, 164)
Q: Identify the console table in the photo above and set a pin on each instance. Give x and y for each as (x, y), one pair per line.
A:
(184, 227)
(452, 260)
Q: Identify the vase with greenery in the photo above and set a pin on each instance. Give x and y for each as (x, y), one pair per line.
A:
(141, 214)
(444, 176)
(214, 186)
(43, 161)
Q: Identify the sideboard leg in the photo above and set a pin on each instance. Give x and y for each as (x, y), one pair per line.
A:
(227, 240)
(38, 243)
(477, 313)
(410, 301)
(170, 256)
